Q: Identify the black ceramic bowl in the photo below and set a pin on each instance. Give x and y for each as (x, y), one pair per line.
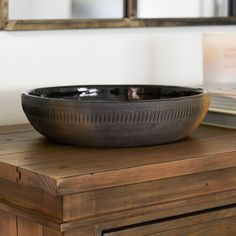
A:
(115, 115)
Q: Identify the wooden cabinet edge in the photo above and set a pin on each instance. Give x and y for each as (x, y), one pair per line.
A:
(125, 218)
(143, 214)
(127, 176)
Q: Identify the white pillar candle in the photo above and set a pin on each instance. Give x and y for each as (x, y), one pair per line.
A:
(219, 57)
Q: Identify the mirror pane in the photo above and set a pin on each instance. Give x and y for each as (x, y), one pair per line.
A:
(65, 9)
(182, 8)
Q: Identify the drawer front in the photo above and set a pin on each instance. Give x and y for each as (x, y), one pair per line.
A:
(221, 221)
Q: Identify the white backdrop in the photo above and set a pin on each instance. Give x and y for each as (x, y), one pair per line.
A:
(49, 58)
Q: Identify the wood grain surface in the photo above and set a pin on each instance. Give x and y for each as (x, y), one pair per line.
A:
(7, 223)
(27, 228)
(61, 170)
(221, 222)
(34, 199)
(64, 190)
(132, 197)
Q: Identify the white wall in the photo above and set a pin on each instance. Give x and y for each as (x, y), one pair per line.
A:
(48, 58)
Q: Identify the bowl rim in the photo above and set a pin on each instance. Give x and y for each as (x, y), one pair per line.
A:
(202, 92)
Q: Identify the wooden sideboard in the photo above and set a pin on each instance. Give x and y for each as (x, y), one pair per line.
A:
(184, 188)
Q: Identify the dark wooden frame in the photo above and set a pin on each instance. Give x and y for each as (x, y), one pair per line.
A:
(232, 7)
(130, 20)
(3, 13)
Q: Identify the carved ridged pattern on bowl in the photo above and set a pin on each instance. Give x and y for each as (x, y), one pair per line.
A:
(122, 117)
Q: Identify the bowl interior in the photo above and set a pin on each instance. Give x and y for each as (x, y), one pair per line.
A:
(115, 92)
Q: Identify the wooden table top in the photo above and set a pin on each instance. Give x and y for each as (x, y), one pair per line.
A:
(29, 159)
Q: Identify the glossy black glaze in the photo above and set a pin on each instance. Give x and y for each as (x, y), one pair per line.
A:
(115, 93)
(115, 115)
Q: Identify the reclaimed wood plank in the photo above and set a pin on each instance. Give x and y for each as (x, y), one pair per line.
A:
(133, 216)
(19, 137)
(84, 231)
(68, 169)
(9, 172)
(132, 175)
(32, 199)
(84, 177)
(212, 222)
(28, 228)
(128, 197)
(81, 161)
(50, 232)
(220, 227)
(30, 215)
(35, 146)
(10, 147)
(9, 129)
(7, 223)
(121, 199)
(34, 155)
(81, 169)
(156, 212)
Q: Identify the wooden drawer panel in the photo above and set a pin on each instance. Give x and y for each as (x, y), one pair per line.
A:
(208, 223)
(157, 192)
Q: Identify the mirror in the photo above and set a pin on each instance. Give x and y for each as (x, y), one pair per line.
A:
(79, 14)
(65, 9)
(182, 8)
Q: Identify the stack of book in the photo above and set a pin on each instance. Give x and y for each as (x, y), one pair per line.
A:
(222, 111)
